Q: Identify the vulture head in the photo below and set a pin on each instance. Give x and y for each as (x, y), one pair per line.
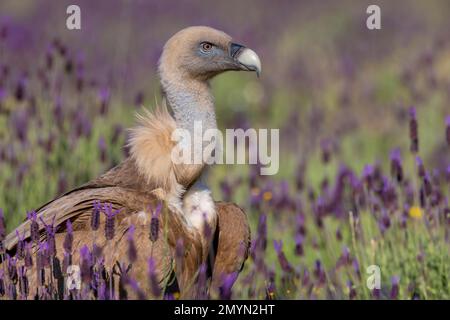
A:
(200, 53)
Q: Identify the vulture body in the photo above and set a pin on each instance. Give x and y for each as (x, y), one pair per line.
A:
(185, 242)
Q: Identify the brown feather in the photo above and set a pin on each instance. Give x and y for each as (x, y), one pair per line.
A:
(77, 206)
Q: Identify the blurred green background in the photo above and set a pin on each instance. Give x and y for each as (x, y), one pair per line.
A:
(66, 97)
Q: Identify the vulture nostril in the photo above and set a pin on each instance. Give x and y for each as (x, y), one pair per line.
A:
(234, 49)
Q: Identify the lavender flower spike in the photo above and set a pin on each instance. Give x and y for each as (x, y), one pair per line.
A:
(34, 228)
(413, 131)
(2, 226)
(394, 289)
(154, 223)
(132, 252)
(447, 129)
(152, 278)
(278, 245)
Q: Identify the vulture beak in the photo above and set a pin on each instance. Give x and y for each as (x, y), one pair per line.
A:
(246, 58)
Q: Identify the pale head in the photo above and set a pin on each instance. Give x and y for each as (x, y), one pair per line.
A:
(200, 53)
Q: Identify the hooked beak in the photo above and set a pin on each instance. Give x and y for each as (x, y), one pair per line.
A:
(246, 58)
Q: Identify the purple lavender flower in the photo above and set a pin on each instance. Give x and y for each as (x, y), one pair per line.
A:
(282, 200)
(345, 258)
(422, 197)
(86, 264)
(299, 245)
(300, 220)
(49, 57)
(179, 251)
(2, 284)
(319, 272)
(227, 190)
(44, 253)
(305, 277)
(62, 182)
(385, 222)
(102, 292)
(20, 121)
(261, 240)
(202, 293)
(352, 291)
(207, 230)
(23, 282)
(152, 278)
(68, 66)
(20, 90)
(154, 223)
(139, 99)
(68, 239)
(95, 216)
(102, 148)
(58, 113)
(34, 227)
(413, 130)
(447, 174)
(270, 287)
(118, 131)
(2, 228)
(12, 291)
(427, 185)
(11, 266)
(50, 231)
(97, 252)
(285, 265)
(40, 257)
(132, 252)
(338, 234)
(300, 176)
(447, 129)
(356, 268)
(67, 261)
(228, 280)
(20, 249)
(4, 30)
(104, 95)
(367, 174)
(420, 167)
(389, 194)
(137, 290)
(396, 165)
(376, 293)
(409, 194)
(110, 220)
(28, 259)
(326, 147)
(394, 287)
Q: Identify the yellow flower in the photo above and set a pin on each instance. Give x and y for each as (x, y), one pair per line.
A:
(267, 196)
(176, 295)
(415, 212)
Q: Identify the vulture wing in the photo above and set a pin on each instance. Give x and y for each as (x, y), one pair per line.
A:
(126, 191)
(133, 204)
(232, 242)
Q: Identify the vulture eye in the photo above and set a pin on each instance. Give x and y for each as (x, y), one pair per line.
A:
(206, 46)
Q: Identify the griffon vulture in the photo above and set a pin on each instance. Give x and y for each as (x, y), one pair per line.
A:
(194, 238)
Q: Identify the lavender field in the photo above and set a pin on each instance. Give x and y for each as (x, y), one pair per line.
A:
(364, 119)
